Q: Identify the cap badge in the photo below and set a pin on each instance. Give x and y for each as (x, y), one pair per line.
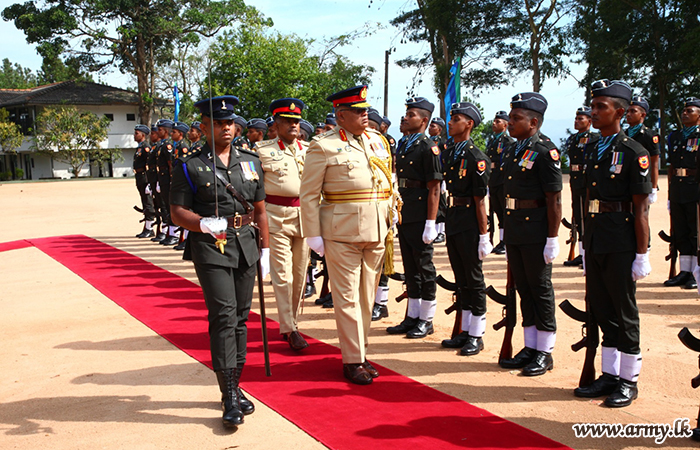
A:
(363, 93)
(292, 107)
(223, 104)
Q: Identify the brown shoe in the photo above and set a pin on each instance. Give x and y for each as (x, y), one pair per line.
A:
(357, 374)
(297, 341)
(370, 369)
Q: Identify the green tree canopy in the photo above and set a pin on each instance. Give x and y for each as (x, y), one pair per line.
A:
(11, 136)
(14, 76)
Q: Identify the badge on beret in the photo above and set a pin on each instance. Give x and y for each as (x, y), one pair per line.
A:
(656, 139)
(644, 162)
(435, 149)
(481, 165)
(554, 154)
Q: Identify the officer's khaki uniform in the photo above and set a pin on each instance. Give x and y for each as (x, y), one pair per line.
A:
(289, 254)
(347, 201)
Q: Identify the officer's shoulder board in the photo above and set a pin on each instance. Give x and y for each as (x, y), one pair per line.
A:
(193, 152)
(248, 152)
(264, 143)
(323, 135)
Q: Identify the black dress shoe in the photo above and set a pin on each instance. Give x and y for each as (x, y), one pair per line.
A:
(357, 373)
(370, 369)
(379, 312)
(170, 240)
(472, 347)
(499, 249)
(604, 385)
(158, 237)
(247, 407)
(404, 327)
(679, 280)
(624, 394)
(457, 341)
(421, 330)
(522, 359)
(541, 363)
(691, 283)
(439, 239)
(180, 246)
(145, 234)
(321, 300)
(696, 434)
(328, 304)
(296, 341)
(310, 290)
(574, 262)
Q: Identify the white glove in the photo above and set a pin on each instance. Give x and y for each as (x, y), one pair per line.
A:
(668, 205)
(696, 274)
(443, 187)
(653, 196)
(641, 267)
(394, 216)
(485, 246)
(264, 262)
(551, 250)
(148, 189)
(158, 187)
(429, 232)
(316, 244)
(205, 229)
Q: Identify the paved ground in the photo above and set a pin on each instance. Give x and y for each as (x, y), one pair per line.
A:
(79, 372)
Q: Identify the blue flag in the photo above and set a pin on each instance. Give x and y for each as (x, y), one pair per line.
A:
(452, 94)
(177, 102)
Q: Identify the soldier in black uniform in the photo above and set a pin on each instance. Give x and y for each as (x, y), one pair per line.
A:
(683, 192)
(152, 176)
(466, 170)
(240, 140)
(419, 175)
(648, 137)
(616, 237)
(495, 150)
(256, 131)
(227, 278)
(180, 151)
(195, 136)
(386, 123)
(436, 129)
(578, 146)
(164, 161)
(533, 184)
(140, 163)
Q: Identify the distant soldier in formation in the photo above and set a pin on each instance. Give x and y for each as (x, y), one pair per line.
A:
(436, 133)
(256, 131)
(578, 146)
(533, 185)
(140, 166)
(436, 130)
(180, 151)
(496, 150)
(330, 122)
(306, 130)
(152, 175)
(194, 135)
(271, 129)
(240, 140)
(319, 128)
(165, 163)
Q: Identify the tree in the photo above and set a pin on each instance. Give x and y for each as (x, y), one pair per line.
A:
(69, 135)
(14, 76)
(131, 34)
(11, 136)
(259, 66)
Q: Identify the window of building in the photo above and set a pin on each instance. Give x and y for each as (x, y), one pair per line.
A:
(110, 117)
(131, 117)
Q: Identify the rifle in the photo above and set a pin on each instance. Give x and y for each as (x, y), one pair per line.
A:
(509, 314)
(572, 241)
(455, 306)
(492, 223)
(263, 317)
(589, 330)
(672, 251)
(693, 344)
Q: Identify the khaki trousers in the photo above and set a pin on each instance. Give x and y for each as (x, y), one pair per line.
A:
(354, 269)
(289, 258)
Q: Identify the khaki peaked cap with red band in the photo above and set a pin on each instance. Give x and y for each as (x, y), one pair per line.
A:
(355, 97)
(287, 107)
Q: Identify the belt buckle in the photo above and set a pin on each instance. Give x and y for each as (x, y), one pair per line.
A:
(237, 221)
(681, 172)
(510, 203)
(594, 206)
(450, 201)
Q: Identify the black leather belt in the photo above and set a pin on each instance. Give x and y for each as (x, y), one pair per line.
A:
(517, 203)
(600, 206)
(459, 201)
(238, 220)
(140, 170)
(406, 183)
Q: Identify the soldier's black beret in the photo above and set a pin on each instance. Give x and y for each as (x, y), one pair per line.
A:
(306, 126)
(533, 101)
(258, 124)
(330, 119)
(221, 107)
(165, 123)
(641, 102)
(374, 116)
(355, 97)
(154, 127)
(269, 121)
(691, 101)
(143, 129)
(181, 126)
(439, 121)
(420, 103)
(468, 109)
(386, 120)
(196, 125)
(240, 121)
(614, 88)
(503, 115)
(584, 111)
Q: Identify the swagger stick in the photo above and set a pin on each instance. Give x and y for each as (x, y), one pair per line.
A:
(263, 318)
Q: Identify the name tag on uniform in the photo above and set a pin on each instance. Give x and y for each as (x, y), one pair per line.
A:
(249, 172)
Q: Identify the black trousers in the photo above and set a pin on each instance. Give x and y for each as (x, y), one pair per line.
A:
(146, 199)
(228, 293)
(610, 292)
(463, 251)
(152, 177)
(164, 197)
(533, 281)
(685, 229)
(417, 262)
(578, 198)
(497, 202)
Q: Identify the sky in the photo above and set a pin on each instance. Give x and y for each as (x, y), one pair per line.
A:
(321, 20)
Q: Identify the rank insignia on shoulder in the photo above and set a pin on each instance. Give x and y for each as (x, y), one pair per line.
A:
(644, 162)
(656, 139)
(435, 149)
(554, 154)
(481, 165)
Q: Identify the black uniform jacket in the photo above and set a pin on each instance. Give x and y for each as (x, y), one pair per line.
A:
(578, 146)
(495, 150)
(193, 187)
(141, 155)
(682, 154)
(419, 162)
(621, 172)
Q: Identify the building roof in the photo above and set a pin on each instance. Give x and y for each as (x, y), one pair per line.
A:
(68, 93)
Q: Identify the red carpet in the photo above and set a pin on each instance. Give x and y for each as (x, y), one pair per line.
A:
(308, 389)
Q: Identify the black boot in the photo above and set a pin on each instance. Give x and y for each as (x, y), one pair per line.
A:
(522, 359)
(457, 341)
(499, 249)
(541, 363)
(379, 312)
(574, 262)
(405, 326)
(230, 403)
(422, 329)
(624, 394)
(170, 240)
(145, 234)
(158, 237)
(310, 290)
(246, 405)
(604, 385)
(679, 280)
(691, 283)
(472, 347)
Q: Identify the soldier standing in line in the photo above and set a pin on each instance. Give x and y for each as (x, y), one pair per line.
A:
(140, 162)
(384, 129)
(195, 136)
(180, 150)
(227, 278)
(346, 198)
(152, 175)
(271, 129)
(466, 170)
(256, 131)
(648, 137)
(164, 162)
(282, 159)
(240, 140)
(683, 192)
(435, 130)
(319, 128)
(533, 184)
(306, 130)
(331, 122)
(419, 176)
(578, 146)
(496, 150)
(616, 237)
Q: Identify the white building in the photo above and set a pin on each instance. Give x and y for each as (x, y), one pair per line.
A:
(24, 105)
